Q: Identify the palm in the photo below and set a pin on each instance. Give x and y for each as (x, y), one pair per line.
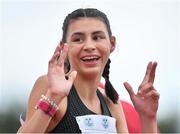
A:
(146, 100)
(147, 106)
(57, 82)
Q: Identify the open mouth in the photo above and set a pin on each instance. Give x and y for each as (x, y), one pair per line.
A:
(90, 58)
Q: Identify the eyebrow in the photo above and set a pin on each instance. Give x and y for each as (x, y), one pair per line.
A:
(77, 33)
(98, 32)
(80, 33)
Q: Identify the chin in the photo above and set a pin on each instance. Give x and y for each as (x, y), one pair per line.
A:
(91, 72)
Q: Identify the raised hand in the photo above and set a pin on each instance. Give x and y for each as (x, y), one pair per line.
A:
(146, 100)
(57, 83)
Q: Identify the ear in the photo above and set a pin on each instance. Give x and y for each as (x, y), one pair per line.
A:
(113, 43)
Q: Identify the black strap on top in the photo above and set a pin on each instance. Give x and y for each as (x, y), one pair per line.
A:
(104, 107)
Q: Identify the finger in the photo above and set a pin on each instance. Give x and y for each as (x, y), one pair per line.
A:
(145, 88)
(154, 94)
(57, 49)
(54, 57)
(72, 76)
(129, 89)
(55, 53)
(152, 73)
(63, 55)
(147, 74)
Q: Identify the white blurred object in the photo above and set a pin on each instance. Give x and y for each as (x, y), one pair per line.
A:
(96, 124)
(21, 120)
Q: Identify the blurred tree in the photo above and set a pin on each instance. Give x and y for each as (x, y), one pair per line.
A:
(169, 124)
(9, 120)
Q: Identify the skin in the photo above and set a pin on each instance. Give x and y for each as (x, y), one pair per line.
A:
(87, 37)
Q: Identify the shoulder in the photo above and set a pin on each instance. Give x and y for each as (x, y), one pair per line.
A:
(41, 81)
(40, 84)
(126, 109)
(114, 108)
(39, 88)
(117, 113)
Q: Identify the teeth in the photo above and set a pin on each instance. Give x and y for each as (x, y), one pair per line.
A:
(90, 58)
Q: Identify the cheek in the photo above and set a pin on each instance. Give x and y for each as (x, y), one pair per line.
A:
(72, 55)
(104, 49)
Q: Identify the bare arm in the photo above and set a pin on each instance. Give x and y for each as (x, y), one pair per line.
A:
(55, 87)
(37, 120)
(118, 113)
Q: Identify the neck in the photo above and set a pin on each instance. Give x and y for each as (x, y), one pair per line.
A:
(86, 87)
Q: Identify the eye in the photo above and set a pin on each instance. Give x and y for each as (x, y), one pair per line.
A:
(77, 40)
(98, 37)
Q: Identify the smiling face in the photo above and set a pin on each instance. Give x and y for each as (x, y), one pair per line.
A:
(89, 45)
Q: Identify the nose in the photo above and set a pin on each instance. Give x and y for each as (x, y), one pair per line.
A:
(89, 45)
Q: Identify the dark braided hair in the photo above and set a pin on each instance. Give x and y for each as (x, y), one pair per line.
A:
(110, 91)
(95, 13)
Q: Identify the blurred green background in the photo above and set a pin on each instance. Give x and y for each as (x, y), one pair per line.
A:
(9, 120)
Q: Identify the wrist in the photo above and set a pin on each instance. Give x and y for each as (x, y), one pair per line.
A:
(149, 124)
(53, 96)
(148, 117)
(47, 105)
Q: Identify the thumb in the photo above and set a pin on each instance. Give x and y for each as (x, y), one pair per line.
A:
(72, 76)
(129, 89)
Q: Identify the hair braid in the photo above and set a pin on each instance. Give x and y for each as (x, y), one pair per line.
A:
(109, 89)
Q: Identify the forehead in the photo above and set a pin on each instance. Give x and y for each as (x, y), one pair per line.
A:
(86, 25)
